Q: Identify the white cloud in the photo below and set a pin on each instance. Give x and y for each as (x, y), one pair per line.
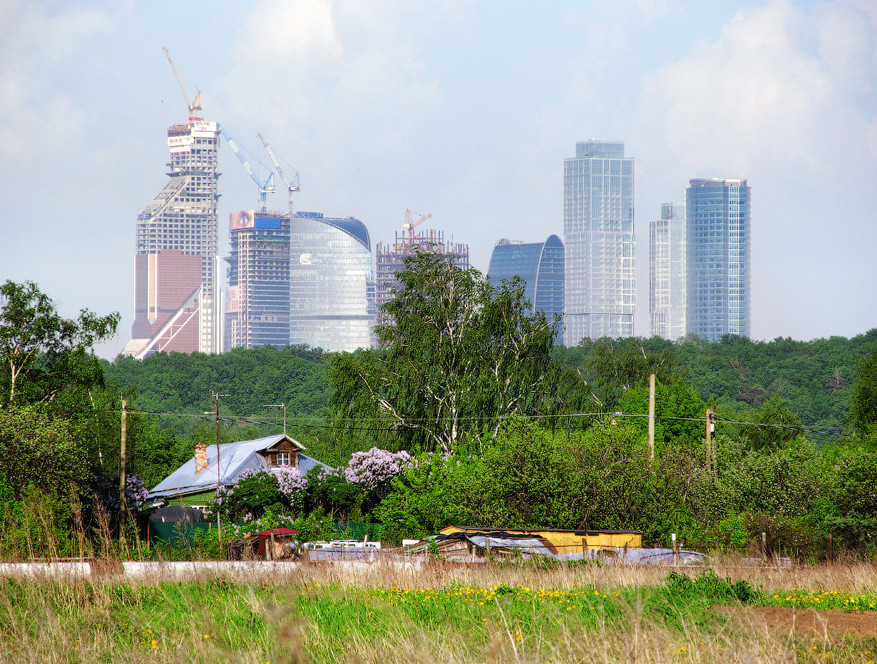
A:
(339, 81)
(36, 117)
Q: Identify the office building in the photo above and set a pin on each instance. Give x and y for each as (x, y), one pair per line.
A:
(332, 283)
(390, 258)
(540, 265)
(176, 233)
(717, 236)
(598, 226)
(667, 257)
(257, 299)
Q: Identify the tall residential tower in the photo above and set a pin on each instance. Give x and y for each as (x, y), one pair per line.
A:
(667, 272)
(717, 237)
(598, 226)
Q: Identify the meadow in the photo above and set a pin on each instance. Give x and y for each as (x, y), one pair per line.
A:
(516, 612)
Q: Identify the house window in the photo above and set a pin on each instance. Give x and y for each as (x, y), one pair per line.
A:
(283, 459)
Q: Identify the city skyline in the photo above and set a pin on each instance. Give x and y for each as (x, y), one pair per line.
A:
(463, 110)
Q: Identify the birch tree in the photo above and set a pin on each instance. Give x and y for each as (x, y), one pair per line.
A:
(457, 356)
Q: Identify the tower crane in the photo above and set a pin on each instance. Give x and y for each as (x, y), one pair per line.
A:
(266, 187)
(193, 105)
(293, 185)
(410, 224)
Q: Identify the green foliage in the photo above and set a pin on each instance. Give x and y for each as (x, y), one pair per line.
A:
(709, 587)
(39, 450)
(679, 411)
(418, 503)
(863, 413)
(457, 357)
(331, 493)
(42, 353)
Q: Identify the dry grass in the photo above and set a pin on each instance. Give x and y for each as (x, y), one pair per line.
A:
(321, 613)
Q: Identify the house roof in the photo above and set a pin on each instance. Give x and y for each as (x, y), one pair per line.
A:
(234, 458)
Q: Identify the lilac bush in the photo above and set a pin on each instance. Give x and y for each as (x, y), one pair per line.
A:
(376, 467)
(257, 490)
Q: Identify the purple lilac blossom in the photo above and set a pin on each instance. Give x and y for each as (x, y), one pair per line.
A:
(375, 467)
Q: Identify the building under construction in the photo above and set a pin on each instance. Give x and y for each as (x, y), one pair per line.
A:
(390, 258)
(176, 289)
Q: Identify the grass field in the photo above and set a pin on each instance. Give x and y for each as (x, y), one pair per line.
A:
(443, 613)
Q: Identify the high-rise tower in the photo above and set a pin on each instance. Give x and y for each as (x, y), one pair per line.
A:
(257, 302)
(540, 265)
(176, 234)
(667, 273)
(332, 283)
(598, 226)
(717, 237)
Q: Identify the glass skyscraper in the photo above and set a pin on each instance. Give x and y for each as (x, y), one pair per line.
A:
(257, 299)
(598, 226)
(717, 236)
(540, 265)
(332, 283)
(667, 273)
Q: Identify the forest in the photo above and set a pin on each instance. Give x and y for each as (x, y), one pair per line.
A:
(466, 413)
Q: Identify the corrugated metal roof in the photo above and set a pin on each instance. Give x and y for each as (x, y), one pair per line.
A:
(234, 458)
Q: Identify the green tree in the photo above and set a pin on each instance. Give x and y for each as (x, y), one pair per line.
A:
(863, 414)
(458, 356)
(42, 352)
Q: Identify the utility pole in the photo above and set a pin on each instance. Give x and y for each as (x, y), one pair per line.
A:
(710, 452)
(278, 405)
(652, 416)
(123, 451)
(216, 396)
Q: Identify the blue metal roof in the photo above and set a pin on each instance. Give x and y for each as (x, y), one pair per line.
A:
(353, 227)
(234, 458)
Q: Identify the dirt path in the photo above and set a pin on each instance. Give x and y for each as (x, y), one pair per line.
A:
(779, 620)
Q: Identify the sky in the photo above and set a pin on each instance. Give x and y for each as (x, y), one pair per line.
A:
(462, 109)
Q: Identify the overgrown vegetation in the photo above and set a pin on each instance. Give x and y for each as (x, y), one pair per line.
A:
(518, 613)
(465, 414)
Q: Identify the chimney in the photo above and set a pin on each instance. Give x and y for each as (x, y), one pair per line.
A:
(201, 457)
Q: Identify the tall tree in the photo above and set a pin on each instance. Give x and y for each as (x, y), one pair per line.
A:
(457, 356)
(863, 414)
(40, 348)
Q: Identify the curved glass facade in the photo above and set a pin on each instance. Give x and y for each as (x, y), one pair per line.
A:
(717, 236)
(540, 265)
(332, 283)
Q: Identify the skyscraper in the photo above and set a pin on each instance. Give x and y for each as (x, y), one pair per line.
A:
(177, 230)
(667, 272)
(598, 225)
(540, 265)
(257, 302)
(717, 236)
(332, 283)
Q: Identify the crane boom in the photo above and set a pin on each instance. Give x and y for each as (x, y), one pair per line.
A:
(192, 105)
(266, 187)
(413, 224)
(291, 186)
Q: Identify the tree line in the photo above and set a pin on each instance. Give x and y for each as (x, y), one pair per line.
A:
(500, 426)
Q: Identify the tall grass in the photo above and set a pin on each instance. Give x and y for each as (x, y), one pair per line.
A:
(440, 613)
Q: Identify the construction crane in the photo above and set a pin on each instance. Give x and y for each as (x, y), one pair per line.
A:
(193, 105)
(266, 187)
(410, 224)
(291, 186)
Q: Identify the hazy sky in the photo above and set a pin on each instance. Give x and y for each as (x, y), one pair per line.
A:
(462, 109)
